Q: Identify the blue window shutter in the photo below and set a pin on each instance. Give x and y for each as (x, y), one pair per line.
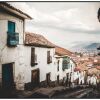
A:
(11, 27)
(65, 63)
(13, 37)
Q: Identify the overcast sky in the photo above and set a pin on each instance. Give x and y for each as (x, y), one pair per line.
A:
(63, 23)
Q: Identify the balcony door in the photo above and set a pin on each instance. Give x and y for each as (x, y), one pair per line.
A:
(11, 27)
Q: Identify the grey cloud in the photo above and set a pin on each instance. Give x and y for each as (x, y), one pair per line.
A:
(65, 28)
(69, 22)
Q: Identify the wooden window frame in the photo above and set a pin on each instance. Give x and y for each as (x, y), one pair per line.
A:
(58, 65)
(33, 57)
(49, 58)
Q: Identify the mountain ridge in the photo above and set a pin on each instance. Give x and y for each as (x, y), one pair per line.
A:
(83, 47)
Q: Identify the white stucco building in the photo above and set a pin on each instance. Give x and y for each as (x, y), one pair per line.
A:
(39, 60)
(65, 65)
(92, 80)
(11, 46)
(79, 76)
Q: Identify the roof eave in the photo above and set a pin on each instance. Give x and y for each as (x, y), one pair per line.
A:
(11, 10)
(38, 45)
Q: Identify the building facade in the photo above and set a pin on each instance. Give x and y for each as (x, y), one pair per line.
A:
(11, 46)
(64, 66)
(39, 60)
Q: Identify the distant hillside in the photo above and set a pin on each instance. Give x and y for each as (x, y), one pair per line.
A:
(81, 47)
(92, 46)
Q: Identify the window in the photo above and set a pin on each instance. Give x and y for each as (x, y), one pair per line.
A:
(12, 36)
(71, 68)
(11, 27)
(49, 58)
(33, 57)
(65, 63)
(58, 65)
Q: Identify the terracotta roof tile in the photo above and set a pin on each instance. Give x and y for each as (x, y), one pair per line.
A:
(98, 77)
(93, 71)
(82, 65)
(77, 69)
(32, 39)
(97, 63)
(61, 51)
(98, 67)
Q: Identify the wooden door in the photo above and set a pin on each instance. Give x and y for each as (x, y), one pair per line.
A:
(7, 76)
(57, 79)
(48, 78)
(35, 77)
(67, 81)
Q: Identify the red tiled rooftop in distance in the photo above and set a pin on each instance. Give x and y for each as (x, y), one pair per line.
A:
(98, 67)
(98, 77)
(77, 69)
(62, 51)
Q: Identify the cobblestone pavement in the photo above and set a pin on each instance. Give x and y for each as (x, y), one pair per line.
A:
(48, 92)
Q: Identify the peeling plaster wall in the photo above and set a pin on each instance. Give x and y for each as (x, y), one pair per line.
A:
(11, 54)
(42, 63)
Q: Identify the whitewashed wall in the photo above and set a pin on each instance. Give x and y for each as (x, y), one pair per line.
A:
(42, 63)
(11, 54)
(70, 70)
(92, 80)
(62, 73)
(76, 75)
(81, 77)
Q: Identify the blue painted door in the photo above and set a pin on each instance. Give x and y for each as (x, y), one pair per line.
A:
(7, 75)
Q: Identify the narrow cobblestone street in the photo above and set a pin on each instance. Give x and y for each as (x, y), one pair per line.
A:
(77, 92)
(59, 92)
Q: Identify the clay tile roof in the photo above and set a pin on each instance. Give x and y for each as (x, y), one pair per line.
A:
(77, 69)
(98, 62)
(32, 39)
(98, 77)
(93, 71)
(98, 67)
(61, 51)
(82, 66)
(10, 8)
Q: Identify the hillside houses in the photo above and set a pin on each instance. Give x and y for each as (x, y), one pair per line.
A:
(29, 60)
(55, 70)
